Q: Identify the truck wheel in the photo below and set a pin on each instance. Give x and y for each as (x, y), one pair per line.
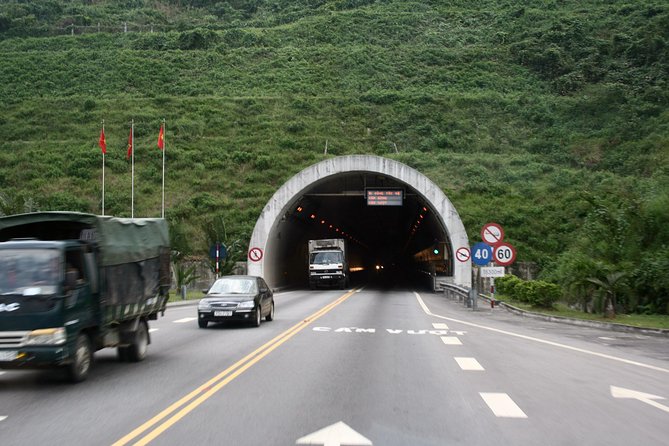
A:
(82, 359)
(137, 350)
(122, 353)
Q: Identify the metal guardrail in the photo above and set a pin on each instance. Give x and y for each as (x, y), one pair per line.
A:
(468, 296)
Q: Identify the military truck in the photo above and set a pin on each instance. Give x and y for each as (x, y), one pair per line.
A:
(74, 283)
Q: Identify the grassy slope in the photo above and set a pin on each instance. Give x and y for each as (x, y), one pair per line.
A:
(514, 111)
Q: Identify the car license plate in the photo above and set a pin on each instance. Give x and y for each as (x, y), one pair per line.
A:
(326, 277)
(222, 313)
(8, 355)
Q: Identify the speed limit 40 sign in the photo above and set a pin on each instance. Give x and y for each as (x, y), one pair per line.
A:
(504, 254)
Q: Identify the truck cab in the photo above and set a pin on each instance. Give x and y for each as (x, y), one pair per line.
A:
(45, 300)
(328, 265)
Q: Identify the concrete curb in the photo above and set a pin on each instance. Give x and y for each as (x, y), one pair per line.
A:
(183, 303)
(584, 323)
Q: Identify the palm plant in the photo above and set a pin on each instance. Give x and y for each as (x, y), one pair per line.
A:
(609, 284)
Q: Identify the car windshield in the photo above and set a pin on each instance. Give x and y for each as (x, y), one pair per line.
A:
(324, 258)
(234, 286)
(29, 271)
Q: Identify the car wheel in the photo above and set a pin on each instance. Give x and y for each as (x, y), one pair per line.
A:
(256, 322)
(270, 315)
(137, 350)
(81, 362)
(202, 323)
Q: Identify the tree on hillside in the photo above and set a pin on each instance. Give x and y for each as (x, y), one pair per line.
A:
(609, 285)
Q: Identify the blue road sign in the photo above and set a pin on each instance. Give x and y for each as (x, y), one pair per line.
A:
(481, 254)
(222, 252)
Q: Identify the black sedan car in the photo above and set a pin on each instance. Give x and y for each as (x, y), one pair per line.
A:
(236, 298)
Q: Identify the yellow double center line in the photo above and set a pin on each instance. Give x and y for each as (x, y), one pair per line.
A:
(188, 403)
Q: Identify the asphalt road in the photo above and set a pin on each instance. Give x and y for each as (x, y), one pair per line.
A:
(396, 367)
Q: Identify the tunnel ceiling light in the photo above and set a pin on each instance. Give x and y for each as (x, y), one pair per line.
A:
(424, 209)
(299, 209)
(322, 222)
(313, 216)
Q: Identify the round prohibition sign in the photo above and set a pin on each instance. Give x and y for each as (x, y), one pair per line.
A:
(463, 254)
(504, 254)
(255, 254)
(492, 234)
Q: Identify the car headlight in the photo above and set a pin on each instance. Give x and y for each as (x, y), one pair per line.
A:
(247, 304)
(47, 336)
(203, 305)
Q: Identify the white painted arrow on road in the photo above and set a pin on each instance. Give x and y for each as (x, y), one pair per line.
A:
(337, 434)
(619, 392)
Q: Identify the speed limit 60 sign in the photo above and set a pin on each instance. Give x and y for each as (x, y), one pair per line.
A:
(504, 254)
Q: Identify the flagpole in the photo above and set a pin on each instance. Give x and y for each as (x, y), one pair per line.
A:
(132, 154)
(103, 173)
(162, 213)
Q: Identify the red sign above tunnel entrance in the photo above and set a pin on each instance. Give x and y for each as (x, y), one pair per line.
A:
(384, 197)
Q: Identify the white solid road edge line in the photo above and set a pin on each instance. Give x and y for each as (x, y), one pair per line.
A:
(543, 341)
(502, 405)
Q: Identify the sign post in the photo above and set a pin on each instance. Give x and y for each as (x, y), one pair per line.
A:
(493, 248)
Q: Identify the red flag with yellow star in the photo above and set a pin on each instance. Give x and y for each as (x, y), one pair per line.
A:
(161, 138)
(102, 142)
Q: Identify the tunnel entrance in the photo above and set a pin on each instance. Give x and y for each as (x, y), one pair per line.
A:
(397, 223)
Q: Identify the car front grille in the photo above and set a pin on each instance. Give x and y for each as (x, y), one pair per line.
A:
(224, 305)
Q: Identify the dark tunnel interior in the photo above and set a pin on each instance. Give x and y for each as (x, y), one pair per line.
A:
(393, 236)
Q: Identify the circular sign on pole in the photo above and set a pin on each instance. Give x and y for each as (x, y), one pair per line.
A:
(255, 254)
(492, 234)
(504, 254)
(463, 254)
(481, 254)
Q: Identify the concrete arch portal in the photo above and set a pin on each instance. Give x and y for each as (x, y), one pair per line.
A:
(385, 243)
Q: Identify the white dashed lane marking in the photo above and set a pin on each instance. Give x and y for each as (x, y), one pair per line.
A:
(3, 417)
(469, 364)
(451, 340)
(152, 330)
(184, 320)
(502, 405)
(440, 326)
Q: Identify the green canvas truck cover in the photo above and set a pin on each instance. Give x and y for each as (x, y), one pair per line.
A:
(134, 254)
(121, 240)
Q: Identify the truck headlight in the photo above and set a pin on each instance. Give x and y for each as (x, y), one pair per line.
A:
(247, 304)
(47, 336)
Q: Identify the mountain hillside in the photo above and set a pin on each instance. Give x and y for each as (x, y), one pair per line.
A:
(549, 117)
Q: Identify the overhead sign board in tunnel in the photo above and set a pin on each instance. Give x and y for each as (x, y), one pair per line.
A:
(384, 197)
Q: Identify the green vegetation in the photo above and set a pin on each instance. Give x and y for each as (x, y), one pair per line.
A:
(655, 321)
(549, 117)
